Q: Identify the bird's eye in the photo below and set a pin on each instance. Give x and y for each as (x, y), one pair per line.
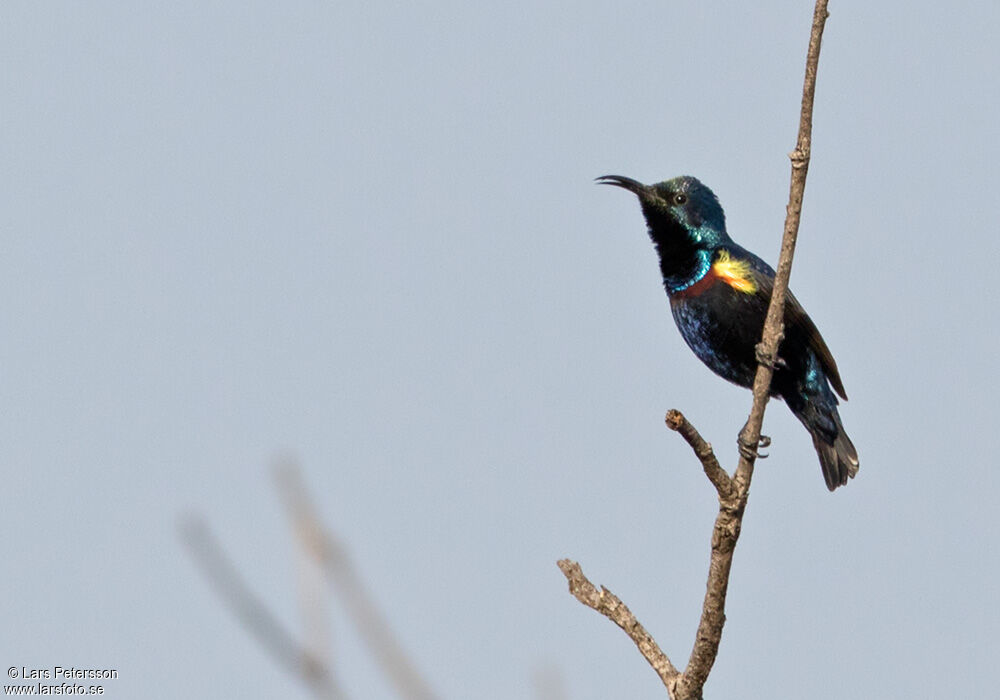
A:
(680, 198)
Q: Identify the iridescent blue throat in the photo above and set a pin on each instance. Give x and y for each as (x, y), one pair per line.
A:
(704, 264)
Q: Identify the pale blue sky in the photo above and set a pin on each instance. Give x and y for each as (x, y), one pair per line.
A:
(367, 233)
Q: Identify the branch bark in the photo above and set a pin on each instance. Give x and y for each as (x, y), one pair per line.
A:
(732, 492)
(611, 606)
(703, 451)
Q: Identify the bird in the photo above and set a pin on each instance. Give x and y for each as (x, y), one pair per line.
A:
(719, 293)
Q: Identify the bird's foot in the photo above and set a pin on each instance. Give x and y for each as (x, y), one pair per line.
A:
(765, 359)
(750, 449)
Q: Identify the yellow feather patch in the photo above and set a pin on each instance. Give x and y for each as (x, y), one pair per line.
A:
(735, 273)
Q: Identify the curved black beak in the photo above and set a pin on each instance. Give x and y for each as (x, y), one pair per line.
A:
(626, 183)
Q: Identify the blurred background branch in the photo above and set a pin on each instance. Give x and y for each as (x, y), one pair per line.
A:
(253, 613)
(319, 550)
(341, 575)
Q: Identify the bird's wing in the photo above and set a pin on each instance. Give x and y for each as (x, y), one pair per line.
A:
(797, 320)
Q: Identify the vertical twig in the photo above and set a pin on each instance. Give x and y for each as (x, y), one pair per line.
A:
(773, 325)
(730, 518)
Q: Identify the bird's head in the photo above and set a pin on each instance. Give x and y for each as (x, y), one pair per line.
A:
(677, 211)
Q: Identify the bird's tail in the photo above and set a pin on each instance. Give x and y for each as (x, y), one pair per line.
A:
(838, 458)
(837, 455)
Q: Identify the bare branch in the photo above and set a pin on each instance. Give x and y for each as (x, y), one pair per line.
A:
(332, 555)
(733, 493)
(703, 451)
(253, 613)
(609, 605)
(713, 612)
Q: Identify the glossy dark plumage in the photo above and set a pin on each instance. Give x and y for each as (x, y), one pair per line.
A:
(719, 293)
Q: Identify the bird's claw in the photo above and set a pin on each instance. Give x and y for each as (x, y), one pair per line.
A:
(750, 450)
(765, 359)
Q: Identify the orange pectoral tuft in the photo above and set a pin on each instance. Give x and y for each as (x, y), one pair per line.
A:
(735, 273)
